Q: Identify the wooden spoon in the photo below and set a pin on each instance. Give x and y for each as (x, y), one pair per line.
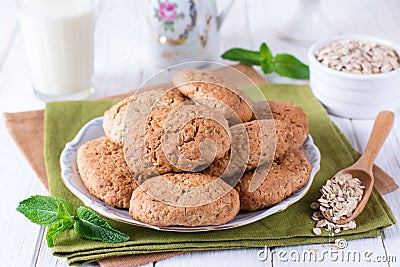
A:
(362, 168)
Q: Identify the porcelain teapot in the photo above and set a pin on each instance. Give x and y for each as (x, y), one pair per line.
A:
(184, 30)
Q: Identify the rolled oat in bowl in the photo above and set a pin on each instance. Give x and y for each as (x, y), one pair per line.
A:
(353, 82)
(360, 57)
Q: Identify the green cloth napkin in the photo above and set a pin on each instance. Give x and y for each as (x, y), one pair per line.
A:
(292, 226)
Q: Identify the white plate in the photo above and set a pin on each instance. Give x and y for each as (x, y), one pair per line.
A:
(93, 130)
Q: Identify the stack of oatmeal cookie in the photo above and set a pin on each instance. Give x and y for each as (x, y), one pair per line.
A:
(196, 154)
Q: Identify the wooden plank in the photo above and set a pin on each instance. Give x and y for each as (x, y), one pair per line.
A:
(357, 253)
(16, 90)
(17, 179)
(8, 27)
(221, 258)
(389, 160)
(17, 183)
(45, 256)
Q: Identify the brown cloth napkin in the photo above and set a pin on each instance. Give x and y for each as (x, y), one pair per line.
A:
(24, 127)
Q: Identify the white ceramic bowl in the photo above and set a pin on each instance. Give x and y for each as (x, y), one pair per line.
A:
(359, 96)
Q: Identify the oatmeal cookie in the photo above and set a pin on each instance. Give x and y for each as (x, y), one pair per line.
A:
(184, 199)
(104, 172)
(212, 91)
(284, 178)
(139, 104)
(186, 138)
(286, 112)
(260, 142)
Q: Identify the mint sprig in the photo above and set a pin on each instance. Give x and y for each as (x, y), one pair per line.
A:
(282, 64)
(58, 214)
(90, 225)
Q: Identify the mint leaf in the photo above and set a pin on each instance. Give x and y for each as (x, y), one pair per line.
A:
(63, 212)
(283, 64)
(243, 56)
(56, 229)
(43, 210)
(266, 66)
(289, 66)
(58, 214)
(90, 225)
(265, 52)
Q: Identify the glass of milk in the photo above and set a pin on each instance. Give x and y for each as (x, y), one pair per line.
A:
(59, 42)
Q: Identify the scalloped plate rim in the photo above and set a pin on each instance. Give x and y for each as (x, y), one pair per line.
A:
(93, 129)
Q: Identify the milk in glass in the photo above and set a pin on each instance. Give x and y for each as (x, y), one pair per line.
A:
(59, 41)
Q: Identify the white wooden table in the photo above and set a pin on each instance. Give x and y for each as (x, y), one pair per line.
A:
(121, 66)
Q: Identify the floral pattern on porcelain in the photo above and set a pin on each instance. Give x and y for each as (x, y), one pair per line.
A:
(183, 30)
(167, 14)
